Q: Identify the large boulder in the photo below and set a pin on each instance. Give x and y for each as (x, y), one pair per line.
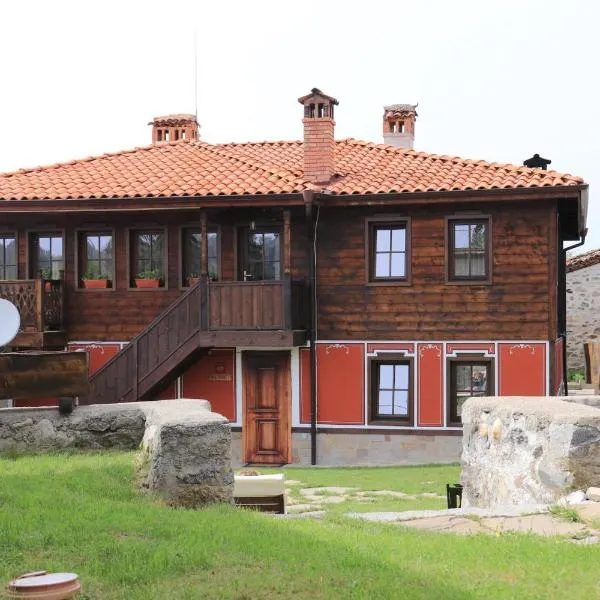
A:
(186, 453)
(527, 450)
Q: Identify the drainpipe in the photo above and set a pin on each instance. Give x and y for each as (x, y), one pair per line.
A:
(564, 334)
(309, 197)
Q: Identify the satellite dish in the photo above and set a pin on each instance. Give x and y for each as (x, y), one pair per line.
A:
(10, 321)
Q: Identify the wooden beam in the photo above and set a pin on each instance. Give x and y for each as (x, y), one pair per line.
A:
(287, 246)
(34, 375)
(203, 244)
(592, 363)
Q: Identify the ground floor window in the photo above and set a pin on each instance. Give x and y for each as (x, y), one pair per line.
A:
(391, 391)
(467, 378)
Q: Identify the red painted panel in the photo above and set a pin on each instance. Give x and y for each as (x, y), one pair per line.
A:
(169, 393)
(559, 371)
(304, 385)
(522, 369)
(340, 384)
(458, 347)
(212, 378)
(25, 402)
(98, 354)
(430, 385)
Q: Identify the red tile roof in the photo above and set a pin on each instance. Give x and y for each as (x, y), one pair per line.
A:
(196, 168)
(588, 259)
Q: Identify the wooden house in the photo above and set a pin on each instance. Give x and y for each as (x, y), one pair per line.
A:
(337, 300)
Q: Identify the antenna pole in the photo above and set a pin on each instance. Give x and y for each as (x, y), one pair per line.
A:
(196, 73)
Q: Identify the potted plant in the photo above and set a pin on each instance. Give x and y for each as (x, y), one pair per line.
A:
(150, 278)
(193, 278)
(46, 276)
(94, 280)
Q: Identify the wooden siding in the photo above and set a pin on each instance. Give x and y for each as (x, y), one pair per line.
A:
(519, 303)
(516, 305)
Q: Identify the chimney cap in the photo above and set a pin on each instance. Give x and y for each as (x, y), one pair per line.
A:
(401, 110)
(174, 120)
(316, 92)
(537, 162)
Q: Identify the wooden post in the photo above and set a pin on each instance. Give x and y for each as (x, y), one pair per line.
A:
(203, 244)
(136, 370)
(39, 304)
(287, 249)
(203, 272)
(592, 363)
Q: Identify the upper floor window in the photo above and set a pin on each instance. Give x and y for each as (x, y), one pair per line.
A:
(260, 251)
(467, 378)
(192, 253)
(96, 259)
(47, 253)
(388, 251)
(8, 256)
(148, 258)
(469, 249)
(391, 390)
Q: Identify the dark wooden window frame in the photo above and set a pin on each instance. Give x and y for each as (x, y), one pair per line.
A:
(260, 227)
(79, 233)
(372, 365)
(129, 232)
(371, 225)
(30, 255)
(15, 235)
(467, 219)
(196, 226)
(470, 359)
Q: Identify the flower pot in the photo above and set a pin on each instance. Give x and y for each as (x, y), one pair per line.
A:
(193, 281)
(95, 284)
(48, 286)
(147, 283)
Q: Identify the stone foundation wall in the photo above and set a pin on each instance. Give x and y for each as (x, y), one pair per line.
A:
(368, 449)
(528, 450)
(583, 323)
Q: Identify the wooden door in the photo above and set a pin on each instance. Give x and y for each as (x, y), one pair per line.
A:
(267, 399)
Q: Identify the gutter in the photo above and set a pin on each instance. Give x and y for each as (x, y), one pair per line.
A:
(309, 198)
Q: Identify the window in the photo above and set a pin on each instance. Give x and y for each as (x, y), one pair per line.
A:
(47, 255)
(95, 253)
(148, 256)
(467, 378)
(261, 252)
(469, 246)
(388, 251)
(8, 256)
(391, 391)
(191, 247)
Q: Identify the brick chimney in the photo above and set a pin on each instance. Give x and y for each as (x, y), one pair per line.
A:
(174, 127)
(399, 125)
(319, 145)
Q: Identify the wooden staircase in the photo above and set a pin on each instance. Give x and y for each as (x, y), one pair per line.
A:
(156, 356)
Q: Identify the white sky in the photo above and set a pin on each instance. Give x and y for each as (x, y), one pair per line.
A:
(495, 80)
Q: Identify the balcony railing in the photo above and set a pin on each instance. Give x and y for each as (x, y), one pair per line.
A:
(261, 305)
(40, 303)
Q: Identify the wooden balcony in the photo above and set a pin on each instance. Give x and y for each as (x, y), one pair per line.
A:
(40, 304)
(243, 313)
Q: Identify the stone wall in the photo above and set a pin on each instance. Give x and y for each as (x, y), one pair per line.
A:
(185, 449)
(528, 450)
(583, 312)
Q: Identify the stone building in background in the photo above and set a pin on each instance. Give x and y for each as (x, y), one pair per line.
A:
(583, 305)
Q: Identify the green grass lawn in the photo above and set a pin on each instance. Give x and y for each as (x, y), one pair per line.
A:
(81, 513)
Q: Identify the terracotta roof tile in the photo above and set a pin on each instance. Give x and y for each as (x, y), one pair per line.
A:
(196, 168)
(588, 259)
